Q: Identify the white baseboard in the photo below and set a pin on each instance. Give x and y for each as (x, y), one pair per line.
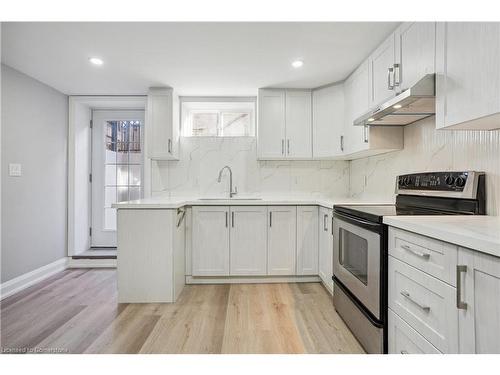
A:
(251, 279)
(91, 263)
(19, 283)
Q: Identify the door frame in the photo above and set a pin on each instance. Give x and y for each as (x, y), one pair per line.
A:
(79, 192)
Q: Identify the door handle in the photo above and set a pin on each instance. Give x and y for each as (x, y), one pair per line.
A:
(397, 68)
(332, 225)
(415, 252)
(179, 221)
(390, 85)
(461, 305)
(226, 219)
(409, 298)
(288, 146)
(169, 146)
(232, 219)
(270, 219)
(342, 143)
(325, 225)
(282, 147)
(365, 133)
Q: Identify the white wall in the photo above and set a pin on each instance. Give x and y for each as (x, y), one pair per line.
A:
(202, 158)
(34, 131)
(428, 149)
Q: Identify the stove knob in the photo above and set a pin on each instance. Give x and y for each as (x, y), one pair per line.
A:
(449, 180)
(408, 181)
(460, 182)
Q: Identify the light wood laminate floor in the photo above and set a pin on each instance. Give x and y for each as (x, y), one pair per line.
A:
(76, 311)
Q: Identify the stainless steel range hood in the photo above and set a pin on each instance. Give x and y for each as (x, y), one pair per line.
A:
(413, 104)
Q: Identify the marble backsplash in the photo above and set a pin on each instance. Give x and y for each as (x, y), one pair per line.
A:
(201, 159)
(428, 149)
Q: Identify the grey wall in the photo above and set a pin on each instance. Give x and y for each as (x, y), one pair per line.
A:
(34, 133)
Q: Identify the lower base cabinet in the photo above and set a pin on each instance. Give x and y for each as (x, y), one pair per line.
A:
(281, 240)
(248, 240)
(307, 240)
(325, 247)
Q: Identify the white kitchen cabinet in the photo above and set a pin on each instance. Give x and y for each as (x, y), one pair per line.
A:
(285, 124)
(150, 264)
(328, 121)
(468, 75)
(307, 240)
(271, 131)
(281, 240)
(210, 241)
(325, 266)
(162, 124)
(382, 62)
(298, 124)
(363, 141)
(415, 53)
(479, 289)
(248, 240)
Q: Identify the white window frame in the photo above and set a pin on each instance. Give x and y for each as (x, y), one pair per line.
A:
(216, 104)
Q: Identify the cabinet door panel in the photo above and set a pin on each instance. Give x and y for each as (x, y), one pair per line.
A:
(381, 60)
(415, 52)
(479, 323)
(210, 242)
(298, 124)
(282, 240)
(248, 239)
(328, 121)
(271, 127)
(468, 81)
(325, 267)
(307, 240)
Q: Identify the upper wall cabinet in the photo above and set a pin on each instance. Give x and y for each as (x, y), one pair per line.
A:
(362, 141)
(284, 128)
(415, 53)
(468, 75)
(382, 67)
(162, 125)
(328, 121)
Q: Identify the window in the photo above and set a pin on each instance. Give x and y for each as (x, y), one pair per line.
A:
(218, 117)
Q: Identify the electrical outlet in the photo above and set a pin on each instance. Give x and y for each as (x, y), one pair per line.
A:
(15, 170)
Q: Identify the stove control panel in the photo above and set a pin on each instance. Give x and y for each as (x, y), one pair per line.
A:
(452, 183)
(444, 181)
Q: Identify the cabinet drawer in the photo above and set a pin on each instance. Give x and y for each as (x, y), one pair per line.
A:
(425, 303)
(434, 257)
(405, 340)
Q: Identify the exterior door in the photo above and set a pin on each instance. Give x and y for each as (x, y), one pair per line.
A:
(117, 168)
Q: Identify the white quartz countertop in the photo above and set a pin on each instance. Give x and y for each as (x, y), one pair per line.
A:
(481, 233)
(177, 202)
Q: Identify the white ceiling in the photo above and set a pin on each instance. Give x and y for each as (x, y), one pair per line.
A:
(194, 58)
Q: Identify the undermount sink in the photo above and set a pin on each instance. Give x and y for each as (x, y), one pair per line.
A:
(229, 199)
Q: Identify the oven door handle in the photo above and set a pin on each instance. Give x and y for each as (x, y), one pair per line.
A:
(356, 221)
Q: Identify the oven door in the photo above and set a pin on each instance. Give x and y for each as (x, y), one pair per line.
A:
(356, 260)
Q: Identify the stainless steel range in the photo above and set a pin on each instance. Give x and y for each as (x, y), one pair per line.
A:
(360, 245)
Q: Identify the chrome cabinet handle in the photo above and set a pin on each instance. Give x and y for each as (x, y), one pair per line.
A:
(415, 252)
(226, 219)
(179, 221)
(169, 146)
(390, 85)
(342, 143)
(232, 219)
(397, 68)
(332, 225)
(461, 305)
(325, 225)
(404, 352)
(365, 133)
(282, 147)
(408, 297)
(288, 146)
(270, 219)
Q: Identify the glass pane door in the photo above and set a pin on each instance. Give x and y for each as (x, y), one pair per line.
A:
(117, 168)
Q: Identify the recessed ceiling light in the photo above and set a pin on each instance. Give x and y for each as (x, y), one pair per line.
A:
(397, 106)
(96, 60)
(297, 63)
